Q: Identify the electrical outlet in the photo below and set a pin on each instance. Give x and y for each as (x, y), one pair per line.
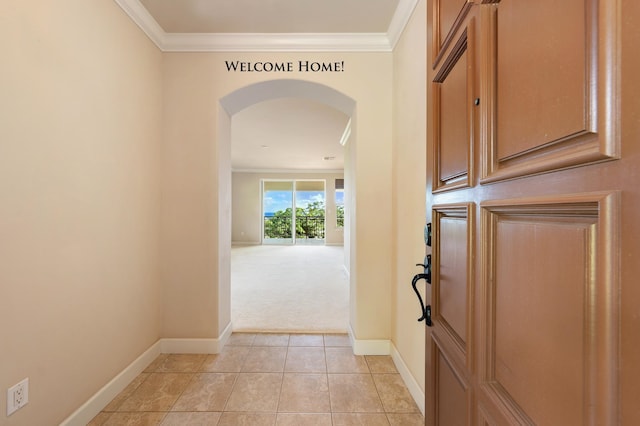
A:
(17, 396)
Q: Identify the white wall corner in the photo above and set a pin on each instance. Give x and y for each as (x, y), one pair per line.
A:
(108, 392)
(412, 384)
(400, 20)
(369, 347)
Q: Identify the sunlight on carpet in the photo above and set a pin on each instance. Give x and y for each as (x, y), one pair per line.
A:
(289, 288)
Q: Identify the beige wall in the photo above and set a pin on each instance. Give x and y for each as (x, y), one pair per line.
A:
(80, 110)
(193, 85)
(409, 165)
(247, 205)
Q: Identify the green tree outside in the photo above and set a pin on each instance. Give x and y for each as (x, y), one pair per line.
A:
(340, 216)
(309, 222)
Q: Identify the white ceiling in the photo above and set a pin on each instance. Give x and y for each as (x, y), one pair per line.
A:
(282, 134)
(271, 25)
(272, 16)
(288, 134)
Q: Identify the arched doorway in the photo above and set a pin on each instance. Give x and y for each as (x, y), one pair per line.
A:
(232, 104)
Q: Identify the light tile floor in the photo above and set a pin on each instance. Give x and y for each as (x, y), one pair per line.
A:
(267, 379)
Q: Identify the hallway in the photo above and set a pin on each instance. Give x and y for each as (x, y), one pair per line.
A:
(118, 204)
(267, 379)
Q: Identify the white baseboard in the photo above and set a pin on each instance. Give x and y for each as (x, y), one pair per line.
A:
(224, 336)
(386, 347)
(196, 346)
(245, 243)
(104, 396)
(369, 347)
(414, 388)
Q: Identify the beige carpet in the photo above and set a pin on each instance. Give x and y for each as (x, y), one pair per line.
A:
(289, 288)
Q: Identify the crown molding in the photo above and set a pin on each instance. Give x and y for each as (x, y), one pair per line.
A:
(400, 20)
(346, 133)
(290, 42)
(142, 18)
(291, 171)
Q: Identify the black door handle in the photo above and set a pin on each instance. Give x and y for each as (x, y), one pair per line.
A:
(426, 275)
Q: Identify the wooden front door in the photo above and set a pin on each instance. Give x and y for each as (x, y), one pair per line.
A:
(533, 193)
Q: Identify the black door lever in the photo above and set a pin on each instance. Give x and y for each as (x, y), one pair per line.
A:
(426, 275)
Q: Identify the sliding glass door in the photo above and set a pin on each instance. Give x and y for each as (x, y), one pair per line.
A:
(284, 224)
(277, 208)
(310, 212)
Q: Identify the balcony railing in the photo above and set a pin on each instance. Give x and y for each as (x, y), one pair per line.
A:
(307, 227)
(310, 227)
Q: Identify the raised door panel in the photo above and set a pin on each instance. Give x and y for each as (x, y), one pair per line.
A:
(549, 310)
(547, 101)
(453, 118)
(550, 91)
(452, 279)
(538, 358)
(452, 276)
(454, 132)
(452, 395)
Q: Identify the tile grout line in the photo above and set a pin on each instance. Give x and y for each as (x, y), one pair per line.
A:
(192, 380)
(284, 366)
(326, 363)
(235, 381)
(237, 377)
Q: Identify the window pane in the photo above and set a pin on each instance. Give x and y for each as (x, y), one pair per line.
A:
(277, 205)
(340, 203)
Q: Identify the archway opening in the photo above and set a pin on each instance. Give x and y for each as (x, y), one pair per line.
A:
(234, 103)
